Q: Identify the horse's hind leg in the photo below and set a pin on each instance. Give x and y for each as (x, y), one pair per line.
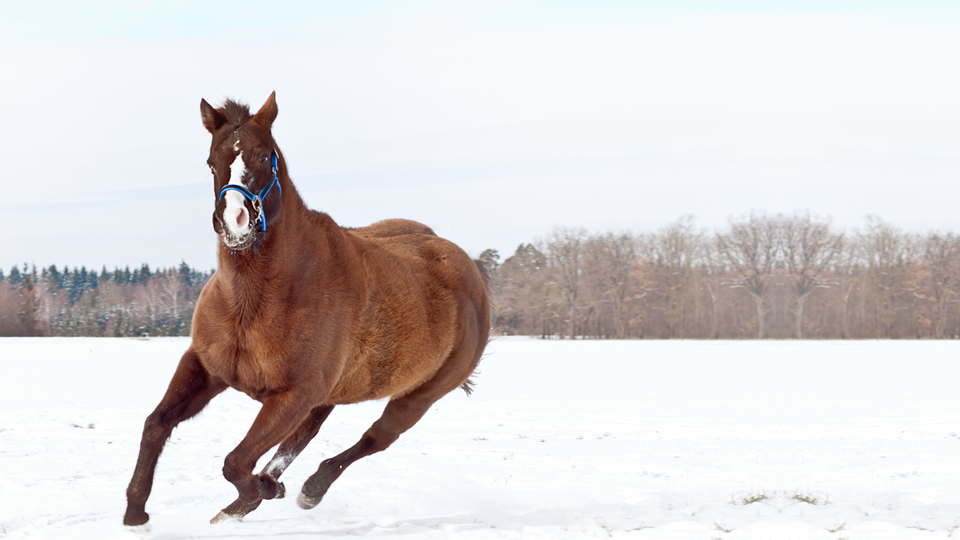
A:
(289, 449)
(190, 390)
(399, 416)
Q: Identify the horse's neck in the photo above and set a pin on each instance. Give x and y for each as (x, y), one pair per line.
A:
(251, 275)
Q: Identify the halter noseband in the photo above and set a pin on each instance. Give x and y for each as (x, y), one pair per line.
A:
(257, 199)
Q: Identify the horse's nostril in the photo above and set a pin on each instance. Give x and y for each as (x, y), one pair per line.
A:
(236, 219)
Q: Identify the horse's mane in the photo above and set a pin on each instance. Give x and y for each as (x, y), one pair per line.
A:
(235, 113)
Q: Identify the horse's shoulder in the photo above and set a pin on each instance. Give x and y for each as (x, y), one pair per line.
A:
(392, 227)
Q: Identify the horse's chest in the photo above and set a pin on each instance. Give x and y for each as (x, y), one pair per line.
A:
(247, 363)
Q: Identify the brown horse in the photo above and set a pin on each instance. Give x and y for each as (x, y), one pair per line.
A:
(303, 315)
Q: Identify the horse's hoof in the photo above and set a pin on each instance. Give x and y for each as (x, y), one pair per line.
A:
(134, 519)
(281, 491)
(235, 510)
(305, 502)
(223, 516)
(316, 487)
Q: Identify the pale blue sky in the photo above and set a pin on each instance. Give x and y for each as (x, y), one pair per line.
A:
(490, 121)
(101, 21)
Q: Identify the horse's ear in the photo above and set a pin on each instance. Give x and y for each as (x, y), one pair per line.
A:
(212, 119)
(268, 113)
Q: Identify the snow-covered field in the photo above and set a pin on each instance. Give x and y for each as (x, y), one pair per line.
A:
(638, 439)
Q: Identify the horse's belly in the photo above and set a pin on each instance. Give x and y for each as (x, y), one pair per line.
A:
(372, 376)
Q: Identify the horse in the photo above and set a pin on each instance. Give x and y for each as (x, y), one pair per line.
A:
(303, 315)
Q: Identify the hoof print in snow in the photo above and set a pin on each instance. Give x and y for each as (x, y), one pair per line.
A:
(140, 530)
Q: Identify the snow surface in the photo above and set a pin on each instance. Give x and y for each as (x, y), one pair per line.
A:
(585, 439)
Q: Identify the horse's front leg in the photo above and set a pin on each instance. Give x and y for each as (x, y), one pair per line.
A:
(190, 390)
(289, 449)
(280, 415)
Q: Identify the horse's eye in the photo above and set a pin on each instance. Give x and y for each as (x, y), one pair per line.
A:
(263, 159)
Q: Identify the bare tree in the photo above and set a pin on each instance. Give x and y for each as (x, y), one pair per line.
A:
(519, 285)
(679, 247)
(881, 247)
(609, 261)
(809, 248)
(564, 248)
(942, 258)
(749, 249)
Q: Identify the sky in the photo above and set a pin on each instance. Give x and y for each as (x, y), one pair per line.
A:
(491, 122)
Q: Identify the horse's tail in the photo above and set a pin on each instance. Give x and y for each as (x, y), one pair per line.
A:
(487, 284)
(468, 384)
(484, 273)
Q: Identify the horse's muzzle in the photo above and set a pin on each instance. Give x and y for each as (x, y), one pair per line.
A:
(233, 223)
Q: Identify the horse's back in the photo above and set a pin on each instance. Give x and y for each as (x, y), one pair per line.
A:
(418, 250)
(401, 247)
(392, 227)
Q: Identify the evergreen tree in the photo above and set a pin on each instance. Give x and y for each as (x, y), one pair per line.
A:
(55, 278)
(490, 258)
(186, 274)
(15, 278)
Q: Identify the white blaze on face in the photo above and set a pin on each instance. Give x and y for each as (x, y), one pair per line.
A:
(235, 215)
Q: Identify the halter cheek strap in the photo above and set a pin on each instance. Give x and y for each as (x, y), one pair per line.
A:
(257, 199)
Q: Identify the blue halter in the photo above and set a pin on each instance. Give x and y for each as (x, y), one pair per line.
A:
(257, 199)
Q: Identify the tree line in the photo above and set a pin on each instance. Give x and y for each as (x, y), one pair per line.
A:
(779, 276)
(81, 302)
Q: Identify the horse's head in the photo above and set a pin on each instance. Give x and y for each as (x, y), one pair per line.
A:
(244, 161)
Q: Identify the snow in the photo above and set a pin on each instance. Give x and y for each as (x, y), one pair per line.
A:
(584, 439)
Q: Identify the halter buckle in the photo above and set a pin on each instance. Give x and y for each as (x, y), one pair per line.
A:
(258, 208)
